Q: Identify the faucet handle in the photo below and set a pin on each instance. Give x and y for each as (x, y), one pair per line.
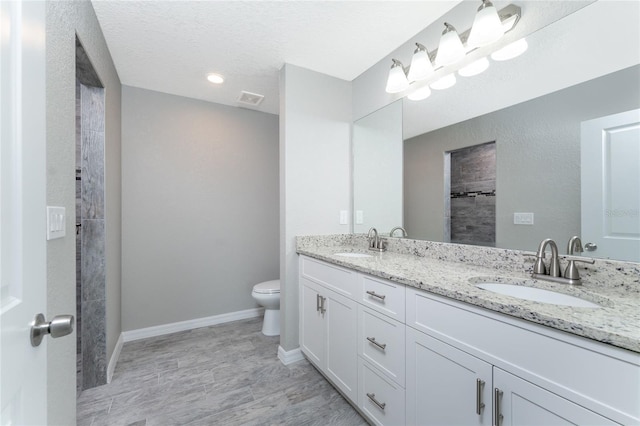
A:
(571, 272)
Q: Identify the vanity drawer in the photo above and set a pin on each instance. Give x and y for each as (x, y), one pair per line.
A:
(380, 399)
(383, 296)
(334, 277)
(381, 341)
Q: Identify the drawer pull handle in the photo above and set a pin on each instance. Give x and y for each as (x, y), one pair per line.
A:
(479, 403)
(497, 393)
(380, 345)
(372, 397)
(374, 294)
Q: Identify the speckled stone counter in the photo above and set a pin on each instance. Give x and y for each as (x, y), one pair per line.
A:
(452, 270)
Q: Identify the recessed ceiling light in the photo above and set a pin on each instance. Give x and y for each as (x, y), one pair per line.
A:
(215, 78)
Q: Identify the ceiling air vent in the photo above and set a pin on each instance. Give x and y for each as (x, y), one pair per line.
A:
(248, 98)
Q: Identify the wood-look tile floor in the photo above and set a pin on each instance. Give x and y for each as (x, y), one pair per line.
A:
(226, 374)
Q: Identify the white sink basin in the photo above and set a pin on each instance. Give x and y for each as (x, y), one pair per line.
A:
(537, 295)
(350, 254)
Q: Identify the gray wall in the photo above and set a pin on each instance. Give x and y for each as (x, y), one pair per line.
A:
(315, 152)
(199, 207)
(538, 161)
(64, 20)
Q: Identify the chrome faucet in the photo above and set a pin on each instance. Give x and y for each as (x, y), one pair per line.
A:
(375, 242)
(404, 233)
(554, 265)
(571, 274)
(574, 245)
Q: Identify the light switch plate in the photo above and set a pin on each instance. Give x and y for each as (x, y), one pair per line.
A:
(56, 222)
(344, 217)
(359, 217)
(523, 218)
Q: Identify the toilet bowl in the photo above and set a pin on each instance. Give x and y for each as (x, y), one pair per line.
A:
(267, 294)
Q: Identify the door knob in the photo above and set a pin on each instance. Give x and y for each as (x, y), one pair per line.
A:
(590, 247)
(60, 325)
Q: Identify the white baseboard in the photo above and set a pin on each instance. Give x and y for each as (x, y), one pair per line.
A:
(160, 330)
(114, 358)
(289, 357)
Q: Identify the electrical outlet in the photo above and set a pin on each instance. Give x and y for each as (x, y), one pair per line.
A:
(523, 218)
(359, 217)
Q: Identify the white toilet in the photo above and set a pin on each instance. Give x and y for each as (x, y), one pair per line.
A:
(267, 294)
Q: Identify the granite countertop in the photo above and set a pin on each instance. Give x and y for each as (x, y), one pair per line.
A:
(616, 322)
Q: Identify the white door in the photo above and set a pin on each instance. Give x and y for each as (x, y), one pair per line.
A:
(610, 176)
(522, 403)
(445, 386)
(312, 322)
(23, 368)
(342, 350)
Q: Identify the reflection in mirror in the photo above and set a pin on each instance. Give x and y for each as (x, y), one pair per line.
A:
(572, 73)
(538, 163)
(377, 173)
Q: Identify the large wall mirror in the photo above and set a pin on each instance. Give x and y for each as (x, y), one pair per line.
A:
(544, 181)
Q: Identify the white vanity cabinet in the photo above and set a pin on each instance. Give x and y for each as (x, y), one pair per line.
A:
(406, 356)
(352, 329)
(531, 374)
(328, 322)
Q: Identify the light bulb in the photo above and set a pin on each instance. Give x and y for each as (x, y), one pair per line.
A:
(510, 51)
(450, 49)
(421, 66)
(420, 94)
(215, 78)
(487, 27)
(397, 80)
(474, 68)
(444, 82)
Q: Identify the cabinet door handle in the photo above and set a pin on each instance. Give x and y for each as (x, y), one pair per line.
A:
(497, 393)
(382, 346)
(479, 403)
(372, 397)
(322, 308)
(318, 297)
(374, 294)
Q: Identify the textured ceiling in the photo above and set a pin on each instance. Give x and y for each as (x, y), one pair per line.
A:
(170, 46)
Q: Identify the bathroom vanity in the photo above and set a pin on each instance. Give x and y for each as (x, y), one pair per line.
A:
(408, 337)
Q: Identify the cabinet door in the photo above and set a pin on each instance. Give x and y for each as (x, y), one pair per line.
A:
(445, 386)
(342, 352)
(312, 322)
(522, 403)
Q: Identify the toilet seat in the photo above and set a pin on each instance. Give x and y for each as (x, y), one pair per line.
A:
(267, 287)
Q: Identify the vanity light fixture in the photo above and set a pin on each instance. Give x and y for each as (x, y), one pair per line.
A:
(397, 80)
(421, 66)
(487, 27)
(510, 51)
(215, 78)
(420, 94)
(474, 68)
(450, 49)
(444, 82)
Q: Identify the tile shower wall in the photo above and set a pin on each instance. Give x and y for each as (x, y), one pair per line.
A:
(90, 217)
(472, 201)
